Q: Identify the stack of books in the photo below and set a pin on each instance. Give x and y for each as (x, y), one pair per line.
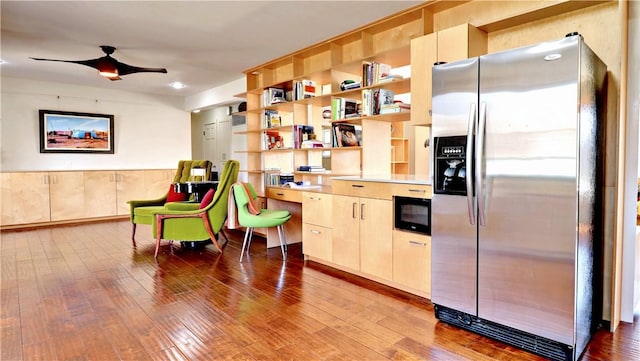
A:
(372, 72)
(311, 168)
(343, 108)
(374, 99)
(395, 107)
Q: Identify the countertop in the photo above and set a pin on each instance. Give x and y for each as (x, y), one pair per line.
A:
(387, 178)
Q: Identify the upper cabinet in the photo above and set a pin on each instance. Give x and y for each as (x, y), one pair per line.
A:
(448, 45)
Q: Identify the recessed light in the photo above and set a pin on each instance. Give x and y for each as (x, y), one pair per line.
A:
(177, 85)
(197, 111)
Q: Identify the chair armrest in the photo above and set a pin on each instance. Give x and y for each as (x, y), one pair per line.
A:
(147, 202)
(182, 206)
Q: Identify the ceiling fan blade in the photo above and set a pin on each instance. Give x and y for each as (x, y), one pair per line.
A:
(93, 63)
(124, 69)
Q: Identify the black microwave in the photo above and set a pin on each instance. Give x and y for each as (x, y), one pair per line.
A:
(412, 214)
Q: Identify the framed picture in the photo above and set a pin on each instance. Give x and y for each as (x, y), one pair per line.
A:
(73, 132)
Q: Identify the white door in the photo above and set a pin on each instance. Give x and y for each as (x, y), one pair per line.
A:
(209, 136)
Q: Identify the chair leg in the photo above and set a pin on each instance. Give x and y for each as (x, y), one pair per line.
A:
(250, 239)
(283, 241)
(244, 242)
(133, 234)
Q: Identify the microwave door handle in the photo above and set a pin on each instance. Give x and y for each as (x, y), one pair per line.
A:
(482, 124)
(471, 128)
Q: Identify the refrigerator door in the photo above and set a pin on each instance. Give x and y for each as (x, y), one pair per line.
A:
(453, 236)
(528, 192)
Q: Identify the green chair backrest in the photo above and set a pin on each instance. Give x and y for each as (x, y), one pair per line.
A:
(183, 173)
(218, 209)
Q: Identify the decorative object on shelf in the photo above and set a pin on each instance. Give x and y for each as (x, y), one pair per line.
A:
(73, 132)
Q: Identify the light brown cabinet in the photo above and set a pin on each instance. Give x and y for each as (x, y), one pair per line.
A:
(362, 231)
(25, 198)
(78, 194)
(317, 217)
(412, 261)
(40, 197)
(447, 45)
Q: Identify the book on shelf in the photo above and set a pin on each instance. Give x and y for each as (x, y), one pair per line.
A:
(272, 140)
(389, 78)
(346, 135)
(373, 71)
(301, 133)
(374, 99)
(311, 168)
(343, 108)
(271, 119)
(395, 107)
(273, 96)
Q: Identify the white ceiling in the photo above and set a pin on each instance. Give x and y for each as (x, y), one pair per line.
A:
(203, 44)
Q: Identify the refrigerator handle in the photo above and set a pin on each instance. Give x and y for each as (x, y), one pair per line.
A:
(479, 156)
(471, 130)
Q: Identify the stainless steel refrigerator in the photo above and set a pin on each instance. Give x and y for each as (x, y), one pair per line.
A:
(516, 205)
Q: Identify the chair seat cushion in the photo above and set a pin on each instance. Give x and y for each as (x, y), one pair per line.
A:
(275, 213)
(266, 218)
(144, 215)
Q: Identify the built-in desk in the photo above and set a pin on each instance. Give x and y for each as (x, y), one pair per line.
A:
(281, 197)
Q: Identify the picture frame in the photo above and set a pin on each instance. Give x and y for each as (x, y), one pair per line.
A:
(75, 132)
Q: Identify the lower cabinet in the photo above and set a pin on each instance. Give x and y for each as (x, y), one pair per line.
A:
(316, 225)
(25, 198)
(40, 197)
(412, 261)
(362, 234)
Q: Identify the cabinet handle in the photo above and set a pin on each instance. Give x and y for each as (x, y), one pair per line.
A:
(417, 190)
(315, 198)
(315, 232)
(45, 179)
(353, 210)
(362, 211)
(280, 194)
(357, 186)
(418, 243)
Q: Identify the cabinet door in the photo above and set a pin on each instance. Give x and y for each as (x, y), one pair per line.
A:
(317, 241)
(6, 217)
(423, 55)
(66, 190)
(376, 225)
(129, 185)
(30, 197)
(461, 42)
(100, 193)
(412, 261)
(317, 209)
(157, 182)
(346, 231)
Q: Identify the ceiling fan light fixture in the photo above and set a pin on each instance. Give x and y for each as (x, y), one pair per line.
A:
(107, 69)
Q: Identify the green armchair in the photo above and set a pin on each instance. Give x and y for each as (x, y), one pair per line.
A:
(142, 210)
(196, 222)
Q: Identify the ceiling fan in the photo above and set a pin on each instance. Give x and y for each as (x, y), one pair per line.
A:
(109, 67)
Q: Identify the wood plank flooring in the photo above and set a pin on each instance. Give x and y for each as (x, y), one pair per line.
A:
(84, 293)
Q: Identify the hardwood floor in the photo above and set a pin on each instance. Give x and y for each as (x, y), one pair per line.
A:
(84, 293)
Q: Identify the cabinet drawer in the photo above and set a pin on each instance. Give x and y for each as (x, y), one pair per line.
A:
(378, 190)
(411, 190)
(317, 208)
(283, 194)
(316, 241)
(412, 260)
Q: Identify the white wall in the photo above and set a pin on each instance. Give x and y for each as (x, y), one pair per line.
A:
(151, 131)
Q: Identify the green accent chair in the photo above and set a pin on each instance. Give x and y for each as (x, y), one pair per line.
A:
(188, 222)
(267, 218)
(142, 210)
